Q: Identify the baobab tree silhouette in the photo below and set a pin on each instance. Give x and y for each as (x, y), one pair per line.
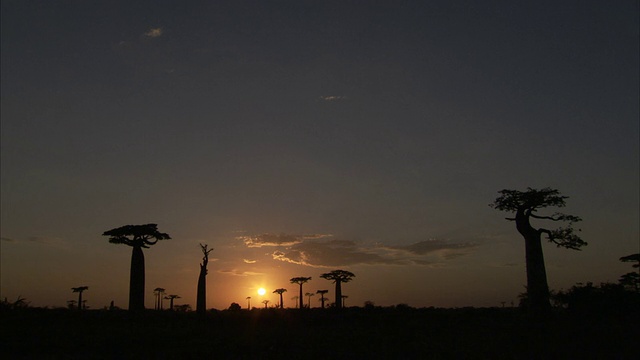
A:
(159, 294)
(300, 280)
(249, 302)
(322, 292)
(171, 298)
(201, 302)
(526, 204)
(295, 300)
(279, 292)
(309, 295)
(265, 302)
(338, 277)
(79, 290)
(71, 304)
(138, 237)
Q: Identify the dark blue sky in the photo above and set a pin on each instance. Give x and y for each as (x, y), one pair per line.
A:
(385, 124)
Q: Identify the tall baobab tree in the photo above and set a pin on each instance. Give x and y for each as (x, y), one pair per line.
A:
(309, 295)
(249, 302)
(279, 292)
(300, 280)
(159, 293)
(265, 302)
(201, 300)
(338, 277)
(171, 298)
(79, 290)
(138, 237)
(322, 292)
(525, 205)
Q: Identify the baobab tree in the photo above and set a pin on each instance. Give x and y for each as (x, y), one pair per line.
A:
(309, 295)
(171, 298)
(201, 299)
(265, 302)
(138, 237)
(79, 290)
(279, 292)
(159, 293)
(295, 300)
(322, 292)
(300, 280)
(525, 205)
(338, 277)
(249, 302)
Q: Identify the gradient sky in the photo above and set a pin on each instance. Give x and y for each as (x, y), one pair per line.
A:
(298, 137)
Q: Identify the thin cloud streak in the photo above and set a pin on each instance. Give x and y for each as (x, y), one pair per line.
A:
(241, 273)
(344, 252)
(153, 33)
(277, 240)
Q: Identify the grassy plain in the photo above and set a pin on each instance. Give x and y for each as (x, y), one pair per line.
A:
(353, 333)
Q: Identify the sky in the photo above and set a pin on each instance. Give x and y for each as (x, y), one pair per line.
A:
(300, 137)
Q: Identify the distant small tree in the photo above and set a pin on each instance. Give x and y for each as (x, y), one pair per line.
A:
(79, 290)
(20, 303)
(71, 304)
(525, 205)
(248, 302)
(338, 277)
(369, 305)
(171, 298)
(295, 300)
(235, 307)
(138, 237)
(201, 300)
(279, 292)
(322, 299)
(631, 280)
(265, 302)
(300, 280)
(183, 308)
(309, 295)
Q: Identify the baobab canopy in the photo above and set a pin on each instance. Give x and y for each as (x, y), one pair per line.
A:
(136, 235)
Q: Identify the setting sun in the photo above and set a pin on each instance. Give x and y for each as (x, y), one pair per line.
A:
(262, 291)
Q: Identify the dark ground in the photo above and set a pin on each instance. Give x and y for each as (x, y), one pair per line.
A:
(354, 333)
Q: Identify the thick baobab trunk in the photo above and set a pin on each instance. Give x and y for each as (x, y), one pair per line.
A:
(301, 298)
(201, 301)
(136, 280)
(338, 302)
(79, 300)
(537, 286)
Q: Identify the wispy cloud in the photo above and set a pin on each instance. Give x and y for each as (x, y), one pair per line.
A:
(332, 97)
(277, 239)
(247, 261)
(237, 272)
(446, 249)
(344, 252)
(153, 32)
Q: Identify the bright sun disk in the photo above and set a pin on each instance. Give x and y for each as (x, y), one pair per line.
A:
(262, 291)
